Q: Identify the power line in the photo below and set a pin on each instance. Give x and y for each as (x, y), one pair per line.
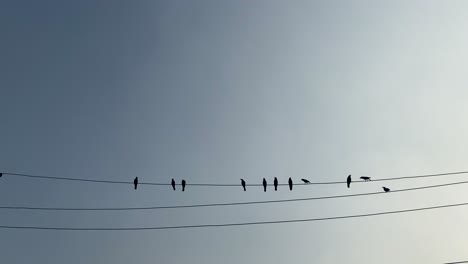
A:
(224, 185)
(229, 224)
(224, 204)
(458, 262)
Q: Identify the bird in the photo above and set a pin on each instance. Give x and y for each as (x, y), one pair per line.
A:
(183, 185)
(243, 184)
(365, 178)
(275, 182)
(135, 182)
(173, 184)
(264, 184)
(386, 189)
(290, 184)
(1, 174)
(305, 181)
(348, 180)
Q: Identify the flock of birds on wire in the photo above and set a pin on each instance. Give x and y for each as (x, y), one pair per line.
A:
(275, 183)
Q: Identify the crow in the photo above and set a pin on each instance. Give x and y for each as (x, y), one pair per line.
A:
(275, 182)
(305, 181)
(365, 178)
(348, 180)
(135, 182)
(264, 184)
(173, 184)
(183, 185)
(243, 184)
(290, 184)
(386, 189)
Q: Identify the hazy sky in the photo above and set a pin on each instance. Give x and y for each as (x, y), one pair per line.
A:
(215, 91)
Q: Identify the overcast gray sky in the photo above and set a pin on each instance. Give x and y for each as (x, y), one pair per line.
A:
(215, 91)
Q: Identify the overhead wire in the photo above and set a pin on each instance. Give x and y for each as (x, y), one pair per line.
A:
(222, 184)
(230, 224)
(227, 204)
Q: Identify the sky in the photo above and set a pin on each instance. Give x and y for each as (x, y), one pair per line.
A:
(215, 91)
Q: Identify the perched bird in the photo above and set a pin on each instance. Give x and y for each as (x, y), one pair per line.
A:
(348, 180)
(365, 178)
(264, 184)
(1, 174)
(275, 182)
(290, 184)
(243, 184)
(386, 189)
(135, 182)
(173, 184)
(305, 181)
(183, 185)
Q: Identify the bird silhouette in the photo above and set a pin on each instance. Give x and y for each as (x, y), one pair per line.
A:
(290, 184)
(135, 182)
(183, 185)
(275, 182)
(1, 174)
(264, 184)
(305, 181)
(386, 189)
(365, 178)
(243, 184)
(173, 184)
(348, 180)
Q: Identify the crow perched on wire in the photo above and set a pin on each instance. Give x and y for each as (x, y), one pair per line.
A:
(348, 180)
(386, 189)
(290, 182)
(306, 181)
(135, 182)
(173, 184)
(275, 182)
(365, 178)
(243, 184)
(264, 184)
(183, 185)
